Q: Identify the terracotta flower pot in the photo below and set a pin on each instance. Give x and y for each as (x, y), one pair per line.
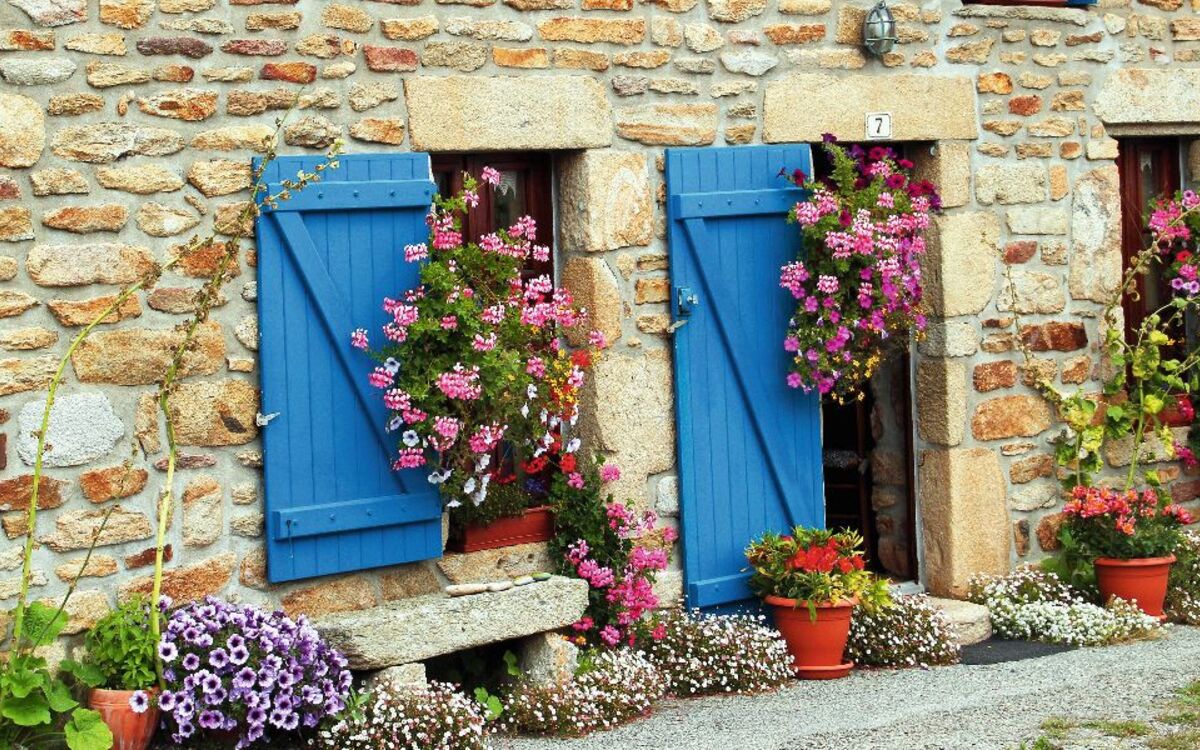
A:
(817, 645)
(534, 525)
(131, 730)
(1142, 579)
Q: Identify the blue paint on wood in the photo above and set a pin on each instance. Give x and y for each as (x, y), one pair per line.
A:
(749, 447)
(326, 260)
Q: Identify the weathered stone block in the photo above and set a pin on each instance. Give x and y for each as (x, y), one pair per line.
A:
(203, 520)
(1148, 96)
(102, 143)
(960, 265)
(214, 413)
(1032, 292)
(1095, 261)
(139, 356)
(594, 285)
(963, 516)
(17, 375)
(549, 659)
(669, 124)
(73, 313)
(15, 493)
(606, 201)
(342, 594)
(75, 529)
(113, 483)
(941, 401)
(476, 113)
(22, 131)
(83, 427)
(1010, 416)
(1010, 183)
(495, 564)
(840, 105)
(188, 583)
(423, 627)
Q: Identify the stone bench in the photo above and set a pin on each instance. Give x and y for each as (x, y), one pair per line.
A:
(420, 628)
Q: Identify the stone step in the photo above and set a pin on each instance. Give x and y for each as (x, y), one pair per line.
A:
(971, 622)
(412, 630)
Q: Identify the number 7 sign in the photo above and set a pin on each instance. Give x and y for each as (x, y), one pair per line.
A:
(879, 126)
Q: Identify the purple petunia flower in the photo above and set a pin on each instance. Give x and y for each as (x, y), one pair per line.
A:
(191, 662)
(245, 678)
(211, 720)
(239, 655)
(139, 701)
(168, 651)
(166, 701)
(210, 683)
(218, 658)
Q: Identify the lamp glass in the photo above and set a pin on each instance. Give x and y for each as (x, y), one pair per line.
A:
(879, 30)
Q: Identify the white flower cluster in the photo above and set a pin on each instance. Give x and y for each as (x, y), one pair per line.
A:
(436, 717)
(909, 633)
(1032, 604)
(1183, 595)
(705, 654)
(614, 687)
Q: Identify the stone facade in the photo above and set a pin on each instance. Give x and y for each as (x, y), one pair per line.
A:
(127, 125)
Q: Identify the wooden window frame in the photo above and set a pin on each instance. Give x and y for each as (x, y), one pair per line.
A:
(1166, 155)
(539, 194)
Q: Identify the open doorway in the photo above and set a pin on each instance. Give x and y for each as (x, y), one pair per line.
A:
(868, 455)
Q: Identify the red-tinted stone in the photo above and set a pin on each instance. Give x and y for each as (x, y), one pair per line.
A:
(1020, 251)
(1184, 492)
(292, 72)
(174, 74)
(15, 493)
(9, 189)
(265, 47)
(390, 59)
(146, 557)
(1054, 336)
(3, 451)
(174, 45)
(188, 461)
(1029, 104)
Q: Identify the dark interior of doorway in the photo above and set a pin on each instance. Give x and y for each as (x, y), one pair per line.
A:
(868, 460)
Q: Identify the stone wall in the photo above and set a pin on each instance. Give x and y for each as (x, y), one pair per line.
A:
(126, 125)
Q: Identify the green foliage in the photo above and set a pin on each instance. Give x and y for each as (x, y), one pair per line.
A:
(506, 500)
(815, 566)
(121, 647)
(87, 731)
(1183, 591)
(491, 704)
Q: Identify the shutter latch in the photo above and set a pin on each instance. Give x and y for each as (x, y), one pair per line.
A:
(263, 419)
(685, 301)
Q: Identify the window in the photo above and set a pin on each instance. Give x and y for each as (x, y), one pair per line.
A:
(1148, 168)
(524, 190)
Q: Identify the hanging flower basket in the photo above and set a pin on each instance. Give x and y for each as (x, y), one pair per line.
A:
(857, 283)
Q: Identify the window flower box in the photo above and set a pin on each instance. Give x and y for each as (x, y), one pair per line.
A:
(535, 524)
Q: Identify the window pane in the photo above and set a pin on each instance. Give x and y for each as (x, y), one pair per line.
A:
(508, 202)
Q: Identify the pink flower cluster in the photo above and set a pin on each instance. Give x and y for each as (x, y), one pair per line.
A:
(1174, 224)
(630, 590)
(472, 351)
(858, 283)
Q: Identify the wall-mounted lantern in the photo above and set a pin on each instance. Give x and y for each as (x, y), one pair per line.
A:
(879, 30)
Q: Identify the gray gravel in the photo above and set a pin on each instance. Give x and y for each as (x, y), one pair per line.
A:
(993, 707)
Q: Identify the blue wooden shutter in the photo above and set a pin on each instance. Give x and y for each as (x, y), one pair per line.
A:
(749, 446)
(326, 260)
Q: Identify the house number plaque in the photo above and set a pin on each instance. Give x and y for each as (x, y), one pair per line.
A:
(879, 126)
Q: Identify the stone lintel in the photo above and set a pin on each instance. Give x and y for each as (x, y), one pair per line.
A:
(804, 106)
(502, 113)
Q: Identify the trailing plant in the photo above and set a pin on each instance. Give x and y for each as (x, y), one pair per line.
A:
(705, 654)
(1183, 591)
(436, 717)
(471, 359)
(910, 632)
(616, 686)
(857, 283)
(617, 551)
(814, 566)
(231, 668)
(507, 497)
(122, 649)
(1126, 525)
(1033, 604)
(205, 299)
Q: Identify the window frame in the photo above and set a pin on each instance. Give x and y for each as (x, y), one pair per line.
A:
(1167, 154)
(537, 167)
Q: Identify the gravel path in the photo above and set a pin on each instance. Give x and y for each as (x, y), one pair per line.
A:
(991, 707)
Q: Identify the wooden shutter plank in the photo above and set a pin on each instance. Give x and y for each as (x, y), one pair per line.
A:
(322, 273)
(749, 447)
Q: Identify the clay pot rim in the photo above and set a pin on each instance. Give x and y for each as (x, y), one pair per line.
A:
(115, 691)
(1136, 562)
(780, 601)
